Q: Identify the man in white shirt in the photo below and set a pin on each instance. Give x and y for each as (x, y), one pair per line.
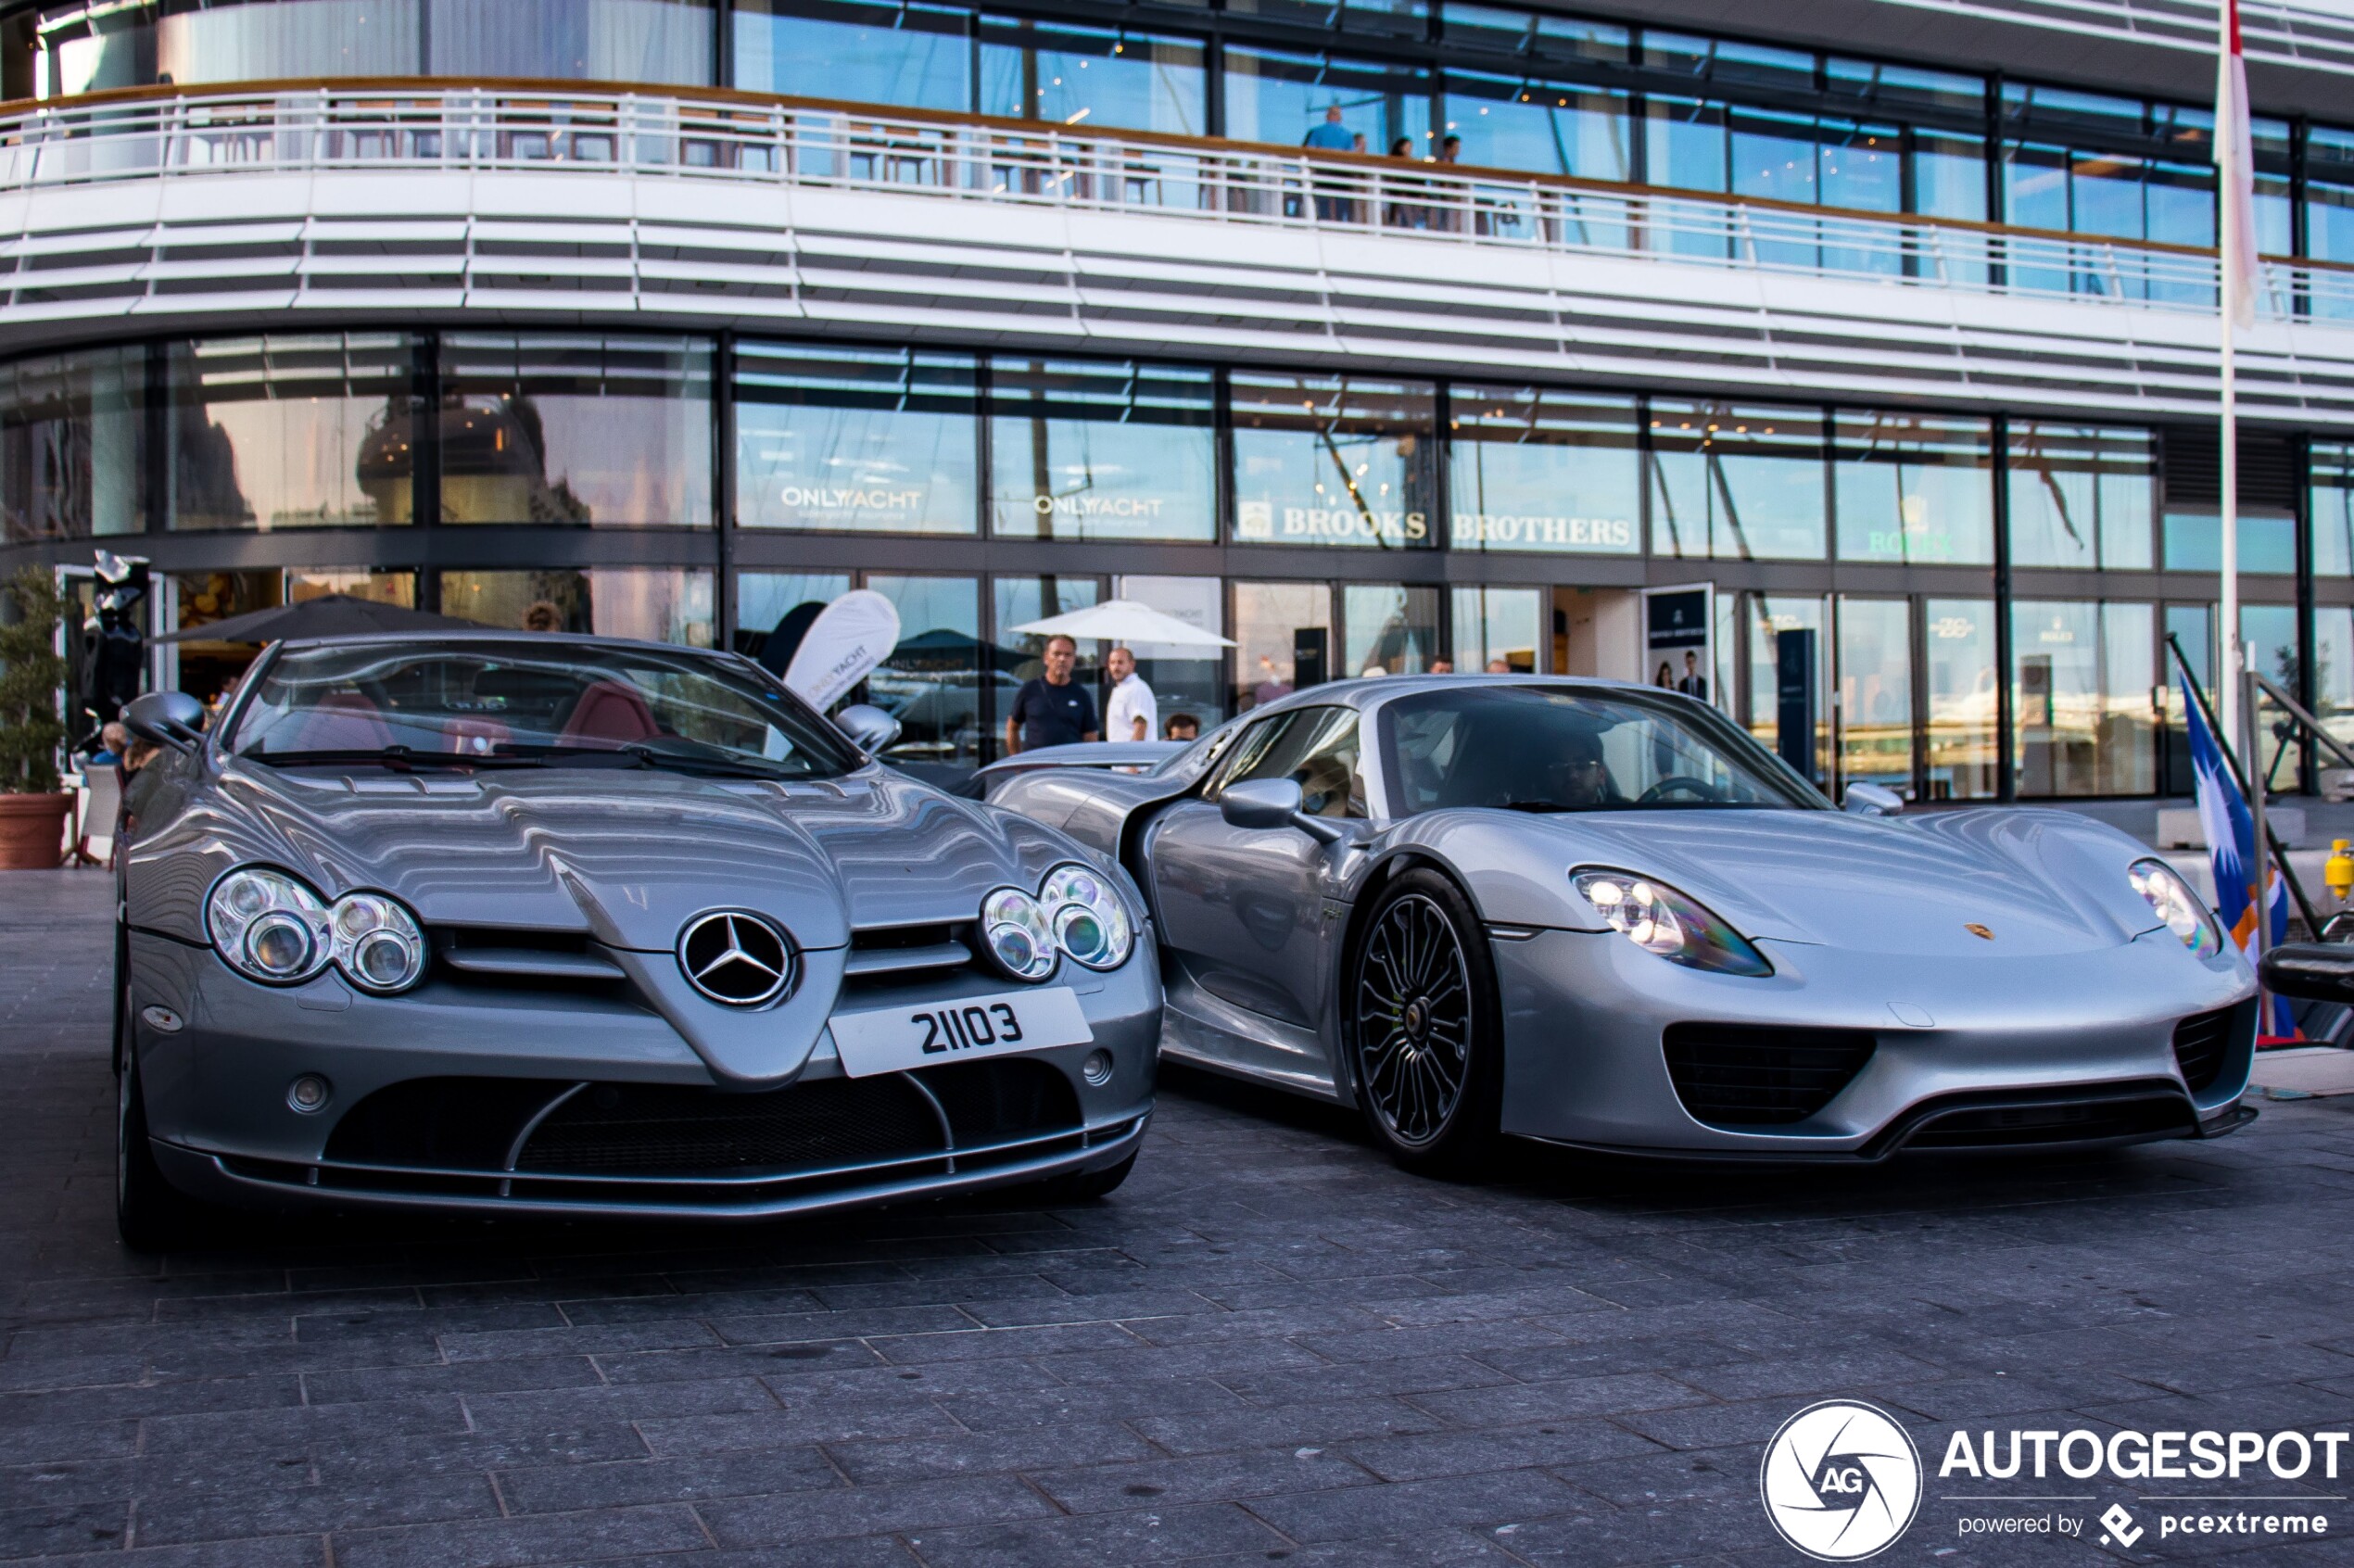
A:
(1130, 712)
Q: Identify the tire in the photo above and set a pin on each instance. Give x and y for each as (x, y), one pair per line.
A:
(1420, 1031)
(1087, 1186)
(150, 1214)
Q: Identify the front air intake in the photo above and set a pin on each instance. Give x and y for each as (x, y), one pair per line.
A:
(2201, 1041)
(1761, 1075)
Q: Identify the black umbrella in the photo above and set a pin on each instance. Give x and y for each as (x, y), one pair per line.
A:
(330, 614)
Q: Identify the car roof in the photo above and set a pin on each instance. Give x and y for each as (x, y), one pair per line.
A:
(1366, 692)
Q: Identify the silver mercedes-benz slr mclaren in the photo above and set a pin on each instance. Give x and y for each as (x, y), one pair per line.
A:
(570, 926)
(1601, 914)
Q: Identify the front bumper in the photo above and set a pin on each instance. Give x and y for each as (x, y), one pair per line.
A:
(2069, 1051)
(444, 1099)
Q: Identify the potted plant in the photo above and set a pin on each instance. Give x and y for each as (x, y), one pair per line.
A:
(32, 810)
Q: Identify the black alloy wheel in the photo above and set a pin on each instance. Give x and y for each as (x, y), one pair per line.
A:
(1423, 1046)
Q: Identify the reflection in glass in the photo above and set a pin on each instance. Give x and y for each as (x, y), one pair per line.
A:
(2333, 678)
(1547, 127)
(79, 47)
(1405, 19)
(1876, 691)
(908, 54)
(1279, 97)
(1735, 481)
(2081, 698)
(765, 600)
(1535, 34)
(2332, 504)
(1185, 680)
(2269, 631)
(1113, 78)
(1333, 461)
(1390, 630)
(2082, 494)
(1275, 622)
(860, 441)
(649, 603)
(378, 588)
(1101, 449)
(2193, 540)
(931, 683)
(1767, 617)
(290, 432)
(73, 446)
(610, 431)
(1494, 624)
(2329, 206)
(1958, 635)
(1533, 468)
(1915, 488)
(572, 39)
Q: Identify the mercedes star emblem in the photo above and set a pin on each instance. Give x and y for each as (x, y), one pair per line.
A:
(735, 957)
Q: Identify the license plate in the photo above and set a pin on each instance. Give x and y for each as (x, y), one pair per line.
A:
(895, 1039)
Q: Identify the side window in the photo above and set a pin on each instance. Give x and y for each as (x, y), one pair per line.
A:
(1247, 749)
(1317, 749)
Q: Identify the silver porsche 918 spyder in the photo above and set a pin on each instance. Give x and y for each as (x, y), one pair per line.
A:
(574, 926)
(1603, 915)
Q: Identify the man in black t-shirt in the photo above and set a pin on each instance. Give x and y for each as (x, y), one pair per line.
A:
(1052, 709)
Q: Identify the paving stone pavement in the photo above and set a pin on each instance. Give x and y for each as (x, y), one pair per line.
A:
(1270, 1347)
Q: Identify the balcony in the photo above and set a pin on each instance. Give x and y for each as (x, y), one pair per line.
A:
(705, 206)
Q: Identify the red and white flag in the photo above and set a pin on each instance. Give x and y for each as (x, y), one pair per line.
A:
(2236, 170)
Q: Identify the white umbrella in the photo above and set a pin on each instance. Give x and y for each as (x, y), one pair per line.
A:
(1124, 620)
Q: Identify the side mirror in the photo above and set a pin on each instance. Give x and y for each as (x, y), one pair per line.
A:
(2311, 971)
(871, 727)
(1872, 800)
(1264, 803)
(166, 718)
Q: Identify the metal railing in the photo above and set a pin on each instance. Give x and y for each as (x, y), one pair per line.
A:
(736, 139)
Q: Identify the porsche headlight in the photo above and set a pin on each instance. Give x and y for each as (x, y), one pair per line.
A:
(1671, 925)
(1090, 923)
(2171, 900)
(1020, 937)
(271, 928)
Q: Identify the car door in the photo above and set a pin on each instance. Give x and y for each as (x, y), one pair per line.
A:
(1243, 910)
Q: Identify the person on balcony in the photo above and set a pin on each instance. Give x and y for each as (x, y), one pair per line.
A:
(1332, 136)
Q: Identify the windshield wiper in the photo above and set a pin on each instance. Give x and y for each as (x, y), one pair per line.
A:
(640, 753)
(400, 759)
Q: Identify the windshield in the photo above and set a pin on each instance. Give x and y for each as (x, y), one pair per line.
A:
(540, 703)
(1544, 749)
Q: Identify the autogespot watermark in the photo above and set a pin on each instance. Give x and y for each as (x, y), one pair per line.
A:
(1842, 1481)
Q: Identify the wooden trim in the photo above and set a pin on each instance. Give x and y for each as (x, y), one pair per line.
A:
(439, 87)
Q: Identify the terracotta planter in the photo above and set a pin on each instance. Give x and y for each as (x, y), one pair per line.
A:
(32, 832)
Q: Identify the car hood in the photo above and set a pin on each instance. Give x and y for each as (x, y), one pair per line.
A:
(629, 856)
(2042, 882)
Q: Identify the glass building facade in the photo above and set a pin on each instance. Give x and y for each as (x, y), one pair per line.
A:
(1990, 600)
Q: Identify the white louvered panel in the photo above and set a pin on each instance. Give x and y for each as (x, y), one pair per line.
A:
(892, 265)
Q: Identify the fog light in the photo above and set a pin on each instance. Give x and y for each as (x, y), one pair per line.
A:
(1097, 1069)
(308, 1094)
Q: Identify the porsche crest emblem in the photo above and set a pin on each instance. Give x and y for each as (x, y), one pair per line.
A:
(1978, 930)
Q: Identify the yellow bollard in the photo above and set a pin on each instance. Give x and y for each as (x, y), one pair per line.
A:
(2339, 872)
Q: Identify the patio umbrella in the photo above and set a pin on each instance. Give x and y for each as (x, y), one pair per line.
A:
(330, 614)
(1124, 620)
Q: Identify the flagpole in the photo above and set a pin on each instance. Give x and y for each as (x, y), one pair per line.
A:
(2229, 264)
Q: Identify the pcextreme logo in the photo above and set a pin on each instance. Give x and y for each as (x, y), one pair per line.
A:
(1840, 1480)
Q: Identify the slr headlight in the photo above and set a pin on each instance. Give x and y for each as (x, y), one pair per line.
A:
(2171, 900)
(378, 943)
(1668, 924)
(1020, 938)
(1090, 921)
(269, 927)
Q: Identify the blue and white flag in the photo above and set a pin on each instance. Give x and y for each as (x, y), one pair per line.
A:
(2231, 848)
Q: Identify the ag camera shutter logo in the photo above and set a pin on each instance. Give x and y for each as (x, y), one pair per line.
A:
(1840, 1480)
